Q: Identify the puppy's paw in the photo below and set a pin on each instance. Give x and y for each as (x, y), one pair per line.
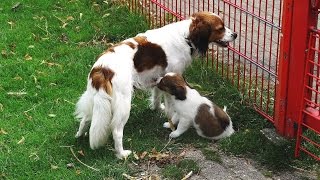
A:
(123, 154)
(174, 134)
(166, 125)
(154, 106)
(162, 107)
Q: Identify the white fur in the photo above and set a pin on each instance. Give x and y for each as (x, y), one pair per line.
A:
(109, 114)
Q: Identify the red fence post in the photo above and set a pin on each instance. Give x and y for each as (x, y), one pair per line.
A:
(297, 17)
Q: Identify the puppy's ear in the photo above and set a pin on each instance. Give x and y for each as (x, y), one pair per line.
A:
(180, 93)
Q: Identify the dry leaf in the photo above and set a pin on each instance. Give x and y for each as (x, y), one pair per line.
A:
(143, 154)
(2, 131)
(27, 57)
(11, 24)
(4, 53)
(78, 172)
(70, 165)
(80, 16)
(21, 141)
(52, 115)
(18, 78)
(135, 156)
(17, 93)
(16, 6)
(154, 177)
(106, 15)
(31, 46)
(34, 155)
(70, 18)
(81, 153)
(64, 25)
(54, 167)
(182, 154)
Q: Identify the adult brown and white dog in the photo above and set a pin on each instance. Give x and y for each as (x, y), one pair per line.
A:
(186, 107)
(139, 62)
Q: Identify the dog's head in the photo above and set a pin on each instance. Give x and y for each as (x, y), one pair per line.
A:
(173, 84)
(206, 28)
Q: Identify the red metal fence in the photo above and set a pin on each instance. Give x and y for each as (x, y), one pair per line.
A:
(267, 61)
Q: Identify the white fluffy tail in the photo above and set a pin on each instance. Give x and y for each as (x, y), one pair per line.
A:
(101, 119)
(84, 106)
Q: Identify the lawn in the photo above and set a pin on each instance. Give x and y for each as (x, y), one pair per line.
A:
(47, 49)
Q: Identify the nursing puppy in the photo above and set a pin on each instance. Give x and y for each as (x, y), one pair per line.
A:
(186, 107)
(104, 107)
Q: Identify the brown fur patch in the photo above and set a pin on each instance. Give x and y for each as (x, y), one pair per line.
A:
(130, 44)
(140, 39)
(148, 55)
(174, 85)
(211, 125)
(204, 29)
(111, 49)
(101, 78)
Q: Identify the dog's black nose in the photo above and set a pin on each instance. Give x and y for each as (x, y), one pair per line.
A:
(235, 35)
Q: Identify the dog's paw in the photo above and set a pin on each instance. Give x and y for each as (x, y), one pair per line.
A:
(123, 154)
(174, 134)
(166, 125)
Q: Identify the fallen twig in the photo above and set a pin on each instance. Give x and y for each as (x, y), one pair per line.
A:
(70, 147)
(187, 176)
(166, 145)
(130, 177)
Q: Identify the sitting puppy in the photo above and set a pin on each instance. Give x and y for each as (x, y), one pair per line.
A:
(186, 107)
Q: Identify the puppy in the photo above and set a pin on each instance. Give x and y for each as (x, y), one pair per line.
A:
(186, 107)
(104, 107)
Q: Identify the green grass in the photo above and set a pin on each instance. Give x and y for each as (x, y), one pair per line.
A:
(211, 155)
(47, 48)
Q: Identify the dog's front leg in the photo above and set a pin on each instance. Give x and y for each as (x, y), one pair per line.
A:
(155, 100)
(174, 119)
(182, 127)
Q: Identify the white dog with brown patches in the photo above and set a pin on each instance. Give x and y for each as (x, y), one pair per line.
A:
(138, 62)
(186, 107)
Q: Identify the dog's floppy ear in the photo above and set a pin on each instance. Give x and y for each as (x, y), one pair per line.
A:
(180, 93)
(200, 32)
